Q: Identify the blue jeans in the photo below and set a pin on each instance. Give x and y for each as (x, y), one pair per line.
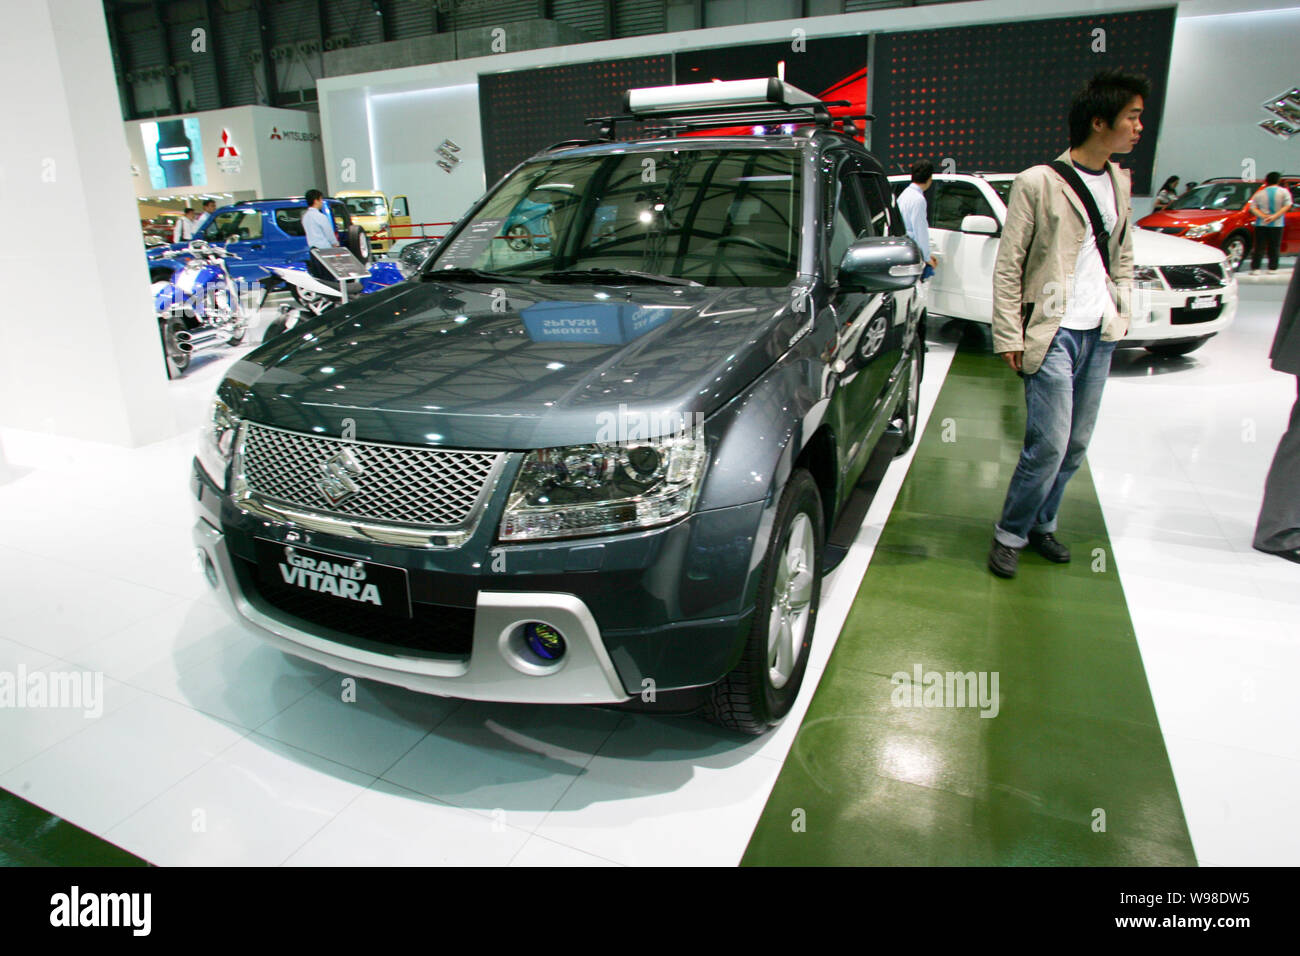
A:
(1062, 399)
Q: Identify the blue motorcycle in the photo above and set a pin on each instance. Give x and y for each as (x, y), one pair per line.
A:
(201, 307)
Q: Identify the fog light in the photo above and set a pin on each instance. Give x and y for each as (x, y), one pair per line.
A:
(544, 641)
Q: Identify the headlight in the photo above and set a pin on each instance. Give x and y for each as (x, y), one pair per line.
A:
(217, 442)
(602, 488)
(1204, 229)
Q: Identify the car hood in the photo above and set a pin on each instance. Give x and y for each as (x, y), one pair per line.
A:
(1157, 249)
(515, 366)
(1184, 217)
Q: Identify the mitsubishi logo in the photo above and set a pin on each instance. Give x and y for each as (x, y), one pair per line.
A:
(339, 472)
(275, 133)
(227, 148)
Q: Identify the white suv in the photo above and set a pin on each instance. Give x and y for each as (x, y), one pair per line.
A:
(1186, 294)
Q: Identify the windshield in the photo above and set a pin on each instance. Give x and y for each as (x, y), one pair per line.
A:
(1216, 196)
(366, 205)
(720, 217)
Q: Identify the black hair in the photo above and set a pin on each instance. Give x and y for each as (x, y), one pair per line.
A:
(1190, 186)
(207, 201)
(313, 195)
(1170, 183)
(188, 210)
(922, 172)
(1272, 179)
(1106, 95)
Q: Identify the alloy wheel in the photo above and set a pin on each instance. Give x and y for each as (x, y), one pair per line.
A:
(791, 602)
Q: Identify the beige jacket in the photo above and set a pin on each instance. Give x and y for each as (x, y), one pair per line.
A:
(1032, 278)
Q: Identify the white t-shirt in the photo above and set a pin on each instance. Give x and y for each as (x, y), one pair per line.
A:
(1088, 301)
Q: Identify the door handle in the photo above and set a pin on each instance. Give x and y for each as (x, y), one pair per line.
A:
(255, 245)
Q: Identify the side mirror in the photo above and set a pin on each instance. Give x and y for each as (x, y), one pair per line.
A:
(881, 264)
(981, 225)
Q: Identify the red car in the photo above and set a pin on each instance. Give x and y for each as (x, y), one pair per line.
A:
(1215, 213)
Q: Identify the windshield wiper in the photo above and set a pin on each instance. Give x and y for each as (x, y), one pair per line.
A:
(480, 275)
(577, 275)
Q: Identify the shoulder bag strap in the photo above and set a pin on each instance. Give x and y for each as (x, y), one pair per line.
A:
(1067, 172)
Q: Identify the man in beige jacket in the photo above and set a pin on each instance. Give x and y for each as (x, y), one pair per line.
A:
(1060, 305)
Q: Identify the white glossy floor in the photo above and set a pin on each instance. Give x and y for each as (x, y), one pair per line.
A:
(1179, 460)
(216, 749)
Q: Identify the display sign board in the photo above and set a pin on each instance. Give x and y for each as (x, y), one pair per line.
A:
(340, 263)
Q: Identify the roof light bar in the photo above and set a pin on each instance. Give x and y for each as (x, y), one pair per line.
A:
(737, 94)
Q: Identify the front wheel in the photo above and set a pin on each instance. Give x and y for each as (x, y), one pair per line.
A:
(763, 686)
(910, 410)
(1178, 348)
(1236, 249)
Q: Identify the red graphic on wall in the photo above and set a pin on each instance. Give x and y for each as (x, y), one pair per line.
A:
(275, 133)
(227, 147)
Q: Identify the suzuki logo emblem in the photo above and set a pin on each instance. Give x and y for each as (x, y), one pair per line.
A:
(339, 472)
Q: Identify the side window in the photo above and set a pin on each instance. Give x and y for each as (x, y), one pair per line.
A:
(848, 218)
(1295, 196)
(885, 220)
(290, 220)
(954, 202)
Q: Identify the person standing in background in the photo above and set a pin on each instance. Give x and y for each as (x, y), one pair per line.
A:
(1268, 205)
(912, 207)
(183, 231)
(1167, 194)
(319, 229)
(209, 210)
(1277, 530)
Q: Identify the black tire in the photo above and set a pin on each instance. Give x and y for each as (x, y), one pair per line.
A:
(746, 699)
(359, 243)
(1237, 248)
(1178, 348)
(910, 410)
(168, 326)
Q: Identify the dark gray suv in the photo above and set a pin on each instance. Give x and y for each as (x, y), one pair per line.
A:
(599, 467)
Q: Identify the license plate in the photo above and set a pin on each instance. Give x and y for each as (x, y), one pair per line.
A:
(353, 583)
(1202, 301)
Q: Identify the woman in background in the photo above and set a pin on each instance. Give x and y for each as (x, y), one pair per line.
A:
(1168, 193)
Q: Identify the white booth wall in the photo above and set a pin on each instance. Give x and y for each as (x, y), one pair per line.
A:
(279, 151)
(79, 347)
(1224, 66)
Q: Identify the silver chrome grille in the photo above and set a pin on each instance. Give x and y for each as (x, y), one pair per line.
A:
(394, 484)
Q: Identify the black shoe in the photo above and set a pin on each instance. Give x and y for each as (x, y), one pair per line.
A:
(1047, 545)
(1003, 560)
(1291, 554)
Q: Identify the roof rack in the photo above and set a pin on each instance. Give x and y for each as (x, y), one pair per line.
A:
(761, 102)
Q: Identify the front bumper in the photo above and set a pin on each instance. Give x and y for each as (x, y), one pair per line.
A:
(664, 609)
(1163, 315)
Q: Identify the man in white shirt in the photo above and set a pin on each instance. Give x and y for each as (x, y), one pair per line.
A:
(183, 231)
(319, 230)
(209, 210)
(1057, 312)
(912, 207)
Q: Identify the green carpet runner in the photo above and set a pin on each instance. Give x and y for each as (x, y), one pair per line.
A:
(899, 763)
